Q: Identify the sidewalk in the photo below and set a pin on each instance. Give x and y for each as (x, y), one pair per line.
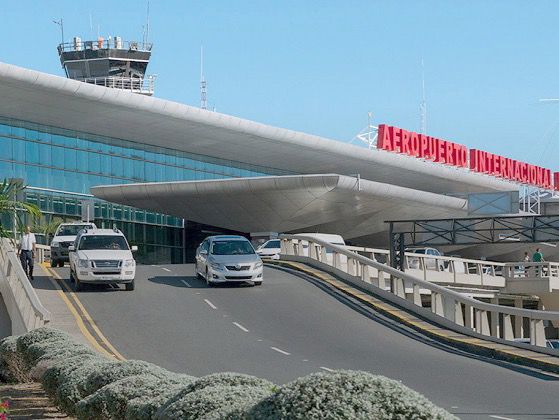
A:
(51, 296)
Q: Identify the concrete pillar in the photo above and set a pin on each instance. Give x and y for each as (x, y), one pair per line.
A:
(508, 332)
(482, 323)
(518, 320)
(365, 273)
(469, 312)
(437, 303)
(495, 327)
(537, 332)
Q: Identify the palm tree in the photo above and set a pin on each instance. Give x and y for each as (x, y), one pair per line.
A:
(10, 203)
(48, 229)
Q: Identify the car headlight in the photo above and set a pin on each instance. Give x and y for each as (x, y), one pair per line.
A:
(55, 244)
(129, 263)
(216, 266)
(258, 265)
(83, 263)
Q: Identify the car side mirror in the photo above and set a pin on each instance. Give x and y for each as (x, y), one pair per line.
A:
(134, 248)
(71, 248)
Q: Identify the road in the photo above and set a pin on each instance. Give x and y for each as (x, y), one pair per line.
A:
(290, 327)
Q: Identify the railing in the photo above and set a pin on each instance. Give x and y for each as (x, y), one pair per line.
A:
(144, 85)
(445, 306)
(455, 270)
(531, 270)
(23, 305)
(42, 253)
(101, 43)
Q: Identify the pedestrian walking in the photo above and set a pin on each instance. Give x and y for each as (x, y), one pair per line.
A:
(27, 251)
(538, 256)
(526, 260)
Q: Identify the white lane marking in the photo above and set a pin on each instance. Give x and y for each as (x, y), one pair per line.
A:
(502, 418)
(166, 269)
(153, 265)
(210, 304)
(240, 326)
(280, 351)
(326, 369)
(185, 283)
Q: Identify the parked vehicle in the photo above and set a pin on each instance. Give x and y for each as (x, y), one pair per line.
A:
(102, 256)
(430, 263)
(228, 258)
(270, 249)
(65, 236)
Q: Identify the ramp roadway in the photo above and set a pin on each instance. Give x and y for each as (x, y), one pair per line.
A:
(290, 327)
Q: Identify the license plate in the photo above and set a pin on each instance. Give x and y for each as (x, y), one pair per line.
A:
(106, 278)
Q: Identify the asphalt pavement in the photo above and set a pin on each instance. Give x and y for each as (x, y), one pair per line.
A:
(289, 327)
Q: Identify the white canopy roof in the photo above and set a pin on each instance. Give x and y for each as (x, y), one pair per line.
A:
(42, 98)
(320, 202)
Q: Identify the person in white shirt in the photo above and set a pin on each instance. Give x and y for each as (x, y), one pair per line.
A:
(27, 247)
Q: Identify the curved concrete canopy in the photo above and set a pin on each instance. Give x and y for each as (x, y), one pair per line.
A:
(339, 203)
(52, 100)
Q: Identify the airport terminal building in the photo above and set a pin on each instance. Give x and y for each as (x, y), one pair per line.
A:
(169, 174)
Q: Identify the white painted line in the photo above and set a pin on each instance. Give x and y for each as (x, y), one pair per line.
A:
(502, 418)
(240, 326)
(185, 283)
(211, 304)
(280, 351)
(326, 369)
(153, 265)
(166, 269)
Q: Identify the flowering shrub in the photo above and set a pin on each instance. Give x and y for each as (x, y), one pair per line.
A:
(346, 395)
(4, 405)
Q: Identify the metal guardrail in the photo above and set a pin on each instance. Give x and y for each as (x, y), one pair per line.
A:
(101, 43)
(445, 306)
(145, 85)
(25, 309)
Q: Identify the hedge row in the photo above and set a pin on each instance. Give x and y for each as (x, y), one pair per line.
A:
(89, 386)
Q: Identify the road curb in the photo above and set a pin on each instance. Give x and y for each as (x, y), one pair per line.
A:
(470, 344)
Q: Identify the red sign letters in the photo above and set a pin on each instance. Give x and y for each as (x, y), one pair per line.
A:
(398, 140)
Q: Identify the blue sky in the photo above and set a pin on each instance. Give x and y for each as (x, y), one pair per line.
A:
(320, 66)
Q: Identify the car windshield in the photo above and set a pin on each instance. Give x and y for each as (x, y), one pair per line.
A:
(273, 244)
(103, 242)
(71, 230)
(232, 248)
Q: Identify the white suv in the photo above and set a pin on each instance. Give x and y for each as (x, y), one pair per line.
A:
(64, 237)
(102, 256)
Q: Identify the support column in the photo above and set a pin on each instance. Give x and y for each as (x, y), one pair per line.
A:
(518, 320)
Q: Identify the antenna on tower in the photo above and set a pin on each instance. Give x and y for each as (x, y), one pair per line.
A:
(146, 28)
(203, 85)
(423, 104)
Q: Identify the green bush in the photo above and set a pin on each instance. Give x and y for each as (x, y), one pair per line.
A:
(145, 407)
(40, 335)
(53, 350)
(213, 402)
(57, 373)
(73, 383)
(12, 367)
(346, 395)
(111, 401)
(103, 375)
(222, 379)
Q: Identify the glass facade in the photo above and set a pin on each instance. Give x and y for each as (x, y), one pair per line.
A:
(61, 166)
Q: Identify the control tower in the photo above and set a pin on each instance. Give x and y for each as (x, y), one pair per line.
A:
(112, 63)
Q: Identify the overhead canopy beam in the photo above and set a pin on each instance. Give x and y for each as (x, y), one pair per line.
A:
(469, 231)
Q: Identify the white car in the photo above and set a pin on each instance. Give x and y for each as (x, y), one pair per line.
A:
(102, 256)
(64, 237)
(430, 263)
(228, 258)
(270, 249)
